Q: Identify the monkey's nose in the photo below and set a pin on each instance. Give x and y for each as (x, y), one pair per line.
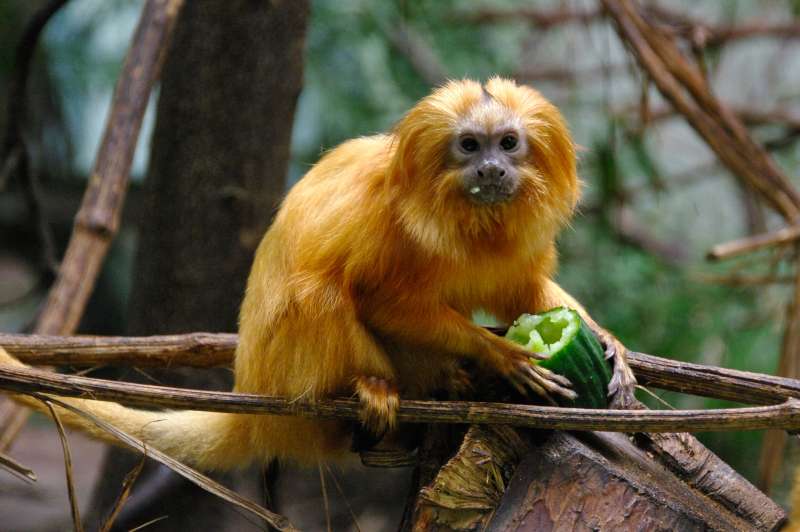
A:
(491, 171)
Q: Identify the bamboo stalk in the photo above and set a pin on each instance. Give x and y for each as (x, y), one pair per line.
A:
(784, 416)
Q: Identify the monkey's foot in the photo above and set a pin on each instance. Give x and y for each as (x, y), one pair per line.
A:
(622, 387)
(379, 402)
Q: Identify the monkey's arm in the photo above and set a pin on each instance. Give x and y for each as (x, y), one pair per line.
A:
(441, 328)
(623, 383)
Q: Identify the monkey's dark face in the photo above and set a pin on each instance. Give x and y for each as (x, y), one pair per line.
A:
(487, 150)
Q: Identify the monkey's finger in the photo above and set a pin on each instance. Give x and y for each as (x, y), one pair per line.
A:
(523, 383)
(546, 373)
(551, 386)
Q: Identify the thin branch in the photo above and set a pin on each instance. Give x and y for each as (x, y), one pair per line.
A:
(781, 416)
(197, 478)
(198, 350)
(127, 486)
(73, 500)
(683, 85)
(98, 219)
(17, 469)
(785, 235)
(204, 350)
(736, 279)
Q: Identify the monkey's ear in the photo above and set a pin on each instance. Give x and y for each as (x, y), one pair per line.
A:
(553, 151)
(420, 145)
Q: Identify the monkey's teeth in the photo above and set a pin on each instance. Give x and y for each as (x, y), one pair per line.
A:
(475, 190)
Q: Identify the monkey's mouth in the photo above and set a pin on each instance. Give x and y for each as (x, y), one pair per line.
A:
(490, 194)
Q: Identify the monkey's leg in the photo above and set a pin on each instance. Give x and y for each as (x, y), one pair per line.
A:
(623, 383)
(379, 401)
(375, 381)
(442, 329)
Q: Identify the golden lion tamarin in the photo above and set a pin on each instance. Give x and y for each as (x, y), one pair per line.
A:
(367, 279)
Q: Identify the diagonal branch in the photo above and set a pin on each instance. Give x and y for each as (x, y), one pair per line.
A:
(97, 220)
(683, 85)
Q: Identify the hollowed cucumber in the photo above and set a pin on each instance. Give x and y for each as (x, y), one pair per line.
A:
(573, 352)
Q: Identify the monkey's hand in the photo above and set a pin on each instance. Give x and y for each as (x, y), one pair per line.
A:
(623, 383)
(379, 402)
(524, 375)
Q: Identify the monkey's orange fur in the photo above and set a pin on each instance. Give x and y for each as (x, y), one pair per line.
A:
(372, 268)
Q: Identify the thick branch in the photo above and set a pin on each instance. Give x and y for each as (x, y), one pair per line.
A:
(203, 350)
(782, 416)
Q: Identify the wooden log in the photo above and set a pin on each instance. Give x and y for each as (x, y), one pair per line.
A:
(587, 481)
(602, 481)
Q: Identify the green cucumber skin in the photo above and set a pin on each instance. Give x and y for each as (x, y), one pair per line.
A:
(582, 361)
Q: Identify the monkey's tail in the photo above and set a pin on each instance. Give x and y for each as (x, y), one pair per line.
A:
(206, 440)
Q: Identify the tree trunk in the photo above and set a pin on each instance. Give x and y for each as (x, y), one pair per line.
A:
(502, 479)
(217, 170)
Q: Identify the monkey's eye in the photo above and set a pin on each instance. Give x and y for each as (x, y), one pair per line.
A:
(508, 143)
(469, 144)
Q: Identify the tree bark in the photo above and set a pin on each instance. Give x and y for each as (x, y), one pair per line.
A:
(218, 166)
(502, 479)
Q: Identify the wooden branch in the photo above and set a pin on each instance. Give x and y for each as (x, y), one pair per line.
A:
(782, 236)
(192, 475)
(197, 350)
(97, 220)
(782, 416)
(683, 84)
(204, 350)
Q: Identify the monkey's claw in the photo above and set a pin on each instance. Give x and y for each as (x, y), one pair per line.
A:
(623, 383)
(527, 376)
(379, 402)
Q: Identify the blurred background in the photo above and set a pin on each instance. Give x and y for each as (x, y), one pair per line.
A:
(655, 198)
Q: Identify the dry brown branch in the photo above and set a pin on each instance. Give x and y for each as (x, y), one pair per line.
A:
(748, 115)
(703, 34)
(73, 501)
(743, 280)
(789, 365)
(684, 86)
(210, 350)
(749, 244)
(784, 416)
(198, 350)
(275, 520)
(97, 220)
(15, 468)
(127, 486)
